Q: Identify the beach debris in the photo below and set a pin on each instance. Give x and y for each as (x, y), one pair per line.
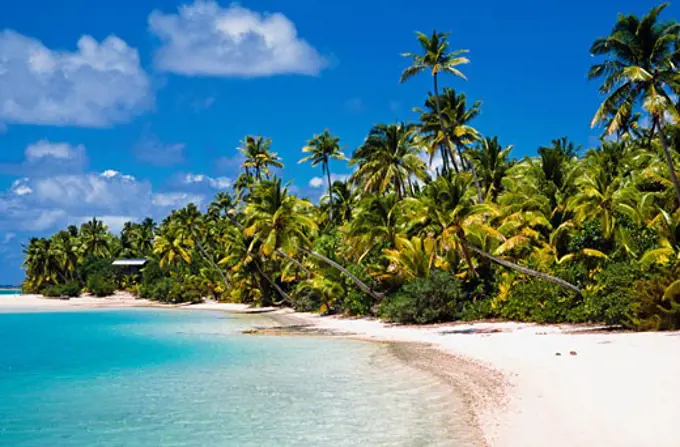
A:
(558, 354)
(572, 352)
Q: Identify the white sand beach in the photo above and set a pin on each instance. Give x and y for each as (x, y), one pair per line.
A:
(38, 302)
(527, 385)
(532, 385)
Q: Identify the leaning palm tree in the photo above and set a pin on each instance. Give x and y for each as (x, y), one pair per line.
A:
(446, 210)
(193, 227)
(277, 220)
(388, 160)
(641, 65)
(322, 148)
(437, 58)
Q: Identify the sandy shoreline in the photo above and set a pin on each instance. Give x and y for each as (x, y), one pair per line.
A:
(527, 385)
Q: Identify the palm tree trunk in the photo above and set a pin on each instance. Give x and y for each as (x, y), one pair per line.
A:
(480, 197)
(211, 262)
(669, 158)
(448, 142)
(453, 161)
(330, 191)
(468, 259)
(525, 270)
(398, 185)
(463, 160)
(294, 261)
(362, 285)
(284, 295)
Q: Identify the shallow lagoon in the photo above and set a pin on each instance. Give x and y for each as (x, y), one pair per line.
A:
(174, 378)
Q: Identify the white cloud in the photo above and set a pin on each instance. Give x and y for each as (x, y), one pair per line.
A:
(95, 86)
(215, 183)
(316, 182)
(110, 173)
(45, 149)
(176, 199)
(8, 237)
(205, 39)
(44, 158)
(20, 187)
(97, 192)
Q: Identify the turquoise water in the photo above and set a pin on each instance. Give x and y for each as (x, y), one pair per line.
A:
(10, 291)
(157, 377)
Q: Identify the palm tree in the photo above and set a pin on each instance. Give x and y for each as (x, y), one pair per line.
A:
(388, 159)
(456, 116)
(39, 264)
(94, 239)
(277, 220)
(493, 163)
(641, 65)
(172, 243)
(321, 149)
(343, 199)
(64, 249)
(413, 258)
(598, 197)
(192, 227)
(446, 210)
(258, 156)
(436, 59)
(668, 228)
(222, 205)
(377, 224)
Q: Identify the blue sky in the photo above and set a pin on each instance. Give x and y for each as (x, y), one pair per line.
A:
(126, 109)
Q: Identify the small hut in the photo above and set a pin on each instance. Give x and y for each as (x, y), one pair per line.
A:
(130, 266)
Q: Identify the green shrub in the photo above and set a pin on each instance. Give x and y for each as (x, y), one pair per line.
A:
(97, 267)
(70, 289)
(541, 302)
(167, 290)
(160, 291)
(657, 304)
(357, 303)
(52, 291)
(100, 286)
(480, 309)
(188, 291)
(613, 300)
(436, 298)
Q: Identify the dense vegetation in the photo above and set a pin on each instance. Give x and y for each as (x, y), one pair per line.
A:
(568, 235)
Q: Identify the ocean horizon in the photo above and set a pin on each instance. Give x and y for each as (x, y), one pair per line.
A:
(177, 378)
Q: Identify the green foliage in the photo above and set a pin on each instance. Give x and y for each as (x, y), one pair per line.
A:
(541, 302)
(465, 240)
(158, 291)
(658, 300)
(175, 291)
(613, 301)
(71, 289)
(188, 291)
(436, 298)
(93, 266)
(590, 236)
(100, 286)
